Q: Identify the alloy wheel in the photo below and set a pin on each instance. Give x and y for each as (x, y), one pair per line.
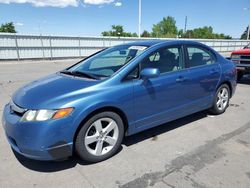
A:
(222, 99)
(101, 136)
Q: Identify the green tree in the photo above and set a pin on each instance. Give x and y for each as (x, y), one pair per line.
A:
(165, 28)
(244, 35)
(204, 33)
(128, 34)
(145, 34)
(118, 31)
(134, 35)
(181, 33)
(8, 28)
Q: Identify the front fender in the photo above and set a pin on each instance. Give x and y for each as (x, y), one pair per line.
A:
(84, 112)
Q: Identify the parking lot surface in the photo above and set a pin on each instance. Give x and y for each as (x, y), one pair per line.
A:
(196, 151)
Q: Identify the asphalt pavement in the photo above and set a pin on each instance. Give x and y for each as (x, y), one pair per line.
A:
(196, 151)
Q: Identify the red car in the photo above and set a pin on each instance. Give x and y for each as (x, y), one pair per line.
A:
(242, 60)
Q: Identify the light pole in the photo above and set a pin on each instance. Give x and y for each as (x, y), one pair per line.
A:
(139, 24)
(248, 31)
(185, 28)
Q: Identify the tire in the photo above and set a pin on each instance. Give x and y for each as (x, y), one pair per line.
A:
(240, 76)
(100, 137)
(221, 100)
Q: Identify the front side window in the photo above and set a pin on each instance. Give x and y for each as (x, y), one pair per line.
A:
(165, 59)
(107, 62)
(199, 57)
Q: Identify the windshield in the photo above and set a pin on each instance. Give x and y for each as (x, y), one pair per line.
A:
(107, 62)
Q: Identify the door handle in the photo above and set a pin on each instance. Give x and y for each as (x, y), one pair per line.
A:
(181, 79)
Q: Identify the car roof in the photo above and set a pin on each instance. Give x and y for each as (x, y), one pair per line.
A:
(145, 42)
(150, 43)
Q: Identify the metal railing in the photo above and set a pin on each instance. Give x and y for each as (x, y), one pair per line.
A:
(22, 46)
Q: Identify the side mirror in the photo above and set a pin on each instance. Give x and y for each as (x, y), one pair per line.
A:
(148, 73)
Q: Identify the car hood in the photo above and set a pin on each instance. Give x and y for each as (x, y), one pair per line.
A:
(51, 91)
(242, 51)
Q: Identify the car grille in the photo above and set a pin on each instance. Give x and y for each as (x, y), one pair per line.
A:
(245, 59)
(14, 109)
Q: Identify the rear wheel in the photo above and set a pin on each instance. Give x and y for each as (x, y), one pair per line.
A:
(221, 100)
(100, 137)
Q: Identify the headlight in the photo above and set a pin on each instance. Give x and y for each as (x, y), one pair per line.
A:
(235, 57)
(43, 115)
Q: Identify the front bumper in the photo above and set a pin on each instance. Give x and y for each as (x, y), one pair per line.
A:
(243, 68)
(48, 140)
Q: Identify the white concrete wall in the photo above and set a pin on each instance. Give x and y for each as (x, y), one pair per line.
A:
(19, 46)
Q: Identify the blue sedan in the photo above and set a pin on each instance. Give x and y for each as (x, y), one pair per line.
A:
(89, 107)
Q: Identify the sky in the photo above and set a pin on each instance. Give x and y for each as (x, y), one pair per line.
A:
(91, 17)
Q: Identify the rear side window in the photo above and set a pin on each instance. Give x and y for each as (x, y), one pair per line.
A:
(199, 57)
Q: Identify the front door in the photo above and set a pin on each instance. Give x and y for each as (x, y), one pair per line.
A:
(161, 99)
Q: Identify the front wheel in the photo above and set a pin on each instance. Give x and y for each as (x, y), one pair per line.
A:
(100, 137)
(221, 100)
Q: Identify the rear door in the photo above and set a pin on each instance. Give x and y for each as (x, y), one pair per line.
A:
(205, 74)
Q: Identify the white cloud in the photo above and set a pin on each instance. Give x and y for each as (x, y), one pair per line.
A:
(118, 4)
(19, 24)
(43, 3)
(98, 2)
(62, 3)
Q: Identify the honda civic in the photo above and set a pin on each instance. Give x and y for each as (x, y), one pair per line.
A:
(89, 107)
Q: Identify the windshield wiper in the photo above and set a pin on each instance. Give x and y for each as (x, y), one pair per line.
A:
(66, 72)
(80, 74)
(85, 74)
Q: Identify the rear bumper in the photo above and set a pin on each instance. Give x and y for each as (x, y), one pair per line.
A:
(48, 140)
